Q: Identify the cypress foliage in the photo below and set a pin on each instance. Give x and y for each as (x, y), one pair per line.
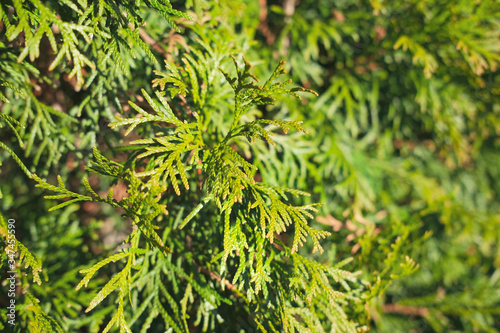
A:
(250, 166)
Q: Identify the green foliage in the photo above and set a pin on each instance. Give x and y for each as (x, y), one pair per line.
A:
(227, 180)
(405, 123)
(185, 198)
(30, 260)
(42, 322)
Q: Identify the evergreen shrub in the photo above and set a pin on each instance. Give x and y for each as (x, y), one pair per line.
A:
(250, 166)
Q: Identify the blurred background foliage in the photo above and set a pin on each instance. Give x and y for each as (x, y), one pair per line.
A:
(403, 142)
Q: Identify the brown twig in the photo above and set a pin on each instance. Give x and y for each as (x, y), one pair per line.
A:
(154, 44)
(228, 284)
(264, 26)
(407, 310)
(289, 9)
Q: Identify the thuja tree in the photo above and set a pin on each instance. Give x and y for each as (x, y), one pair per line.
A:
(157, 184)
(202, 242)
(404, 143)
